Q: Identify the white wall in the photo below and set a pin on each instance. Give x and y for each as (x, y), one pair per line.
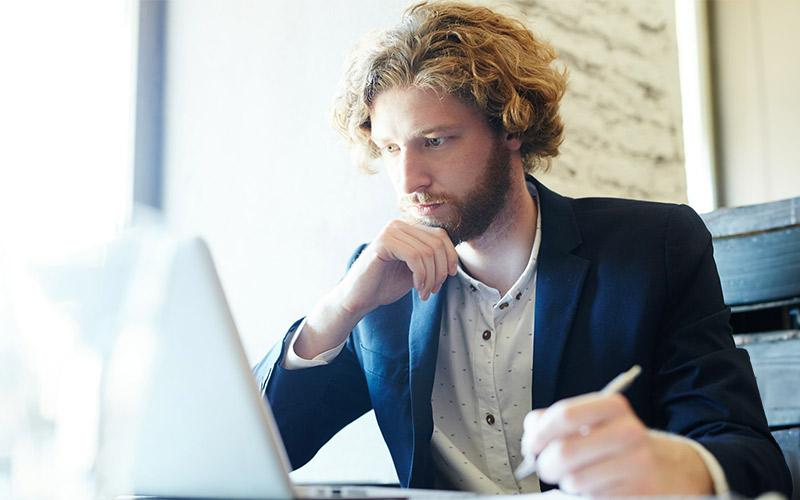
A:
(254, 167)
(252, 164)
(622, 110)
(757, 81)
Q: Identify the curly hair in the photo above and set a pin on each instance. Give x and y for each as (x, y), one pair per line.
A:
(488, 60)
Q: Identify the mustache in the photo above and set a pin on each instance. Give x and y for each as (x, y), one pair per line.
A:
(423, 198)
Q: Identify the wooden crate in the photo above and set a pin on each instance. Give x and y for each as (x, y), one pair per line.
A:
(789, 440)
(757, 249)
(776, 363)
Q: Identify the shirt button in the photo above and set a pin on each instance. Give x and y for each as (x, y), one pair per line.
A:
(503, 305)
(490, 419)
(487, 334)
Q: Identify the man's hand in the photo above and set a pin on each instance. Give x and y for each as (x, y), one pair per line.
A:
(596, 445)
(403, 256)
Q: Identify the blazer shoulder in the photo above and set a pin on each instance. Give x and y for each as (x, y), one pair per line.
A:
(621, 211)
(595, 205)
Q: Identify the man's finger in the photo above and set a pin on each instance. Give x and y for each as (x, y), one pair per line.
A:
(450, 250)
(431, 238)
(444, 254)
(570, 416)
(596, 478)
(602, 442)
(403, 252)
(427, 254)
(437, 238)
(529, 423)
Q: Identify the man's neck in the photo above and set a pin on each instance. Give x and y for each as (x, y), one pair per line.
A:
(500, 255)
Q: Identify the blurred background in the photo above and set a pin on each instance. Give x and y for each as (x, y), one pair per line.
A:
(212, 118)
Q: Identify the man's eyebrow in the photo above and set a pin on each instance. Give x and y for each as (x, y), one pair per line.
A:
(438, 128)
(422, 132)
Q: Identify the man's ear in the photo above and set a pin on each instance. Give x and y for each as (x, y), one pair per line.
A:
(512, 141)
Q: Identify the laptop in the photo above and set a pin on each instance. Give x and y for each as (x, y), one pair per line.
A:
(202, 428)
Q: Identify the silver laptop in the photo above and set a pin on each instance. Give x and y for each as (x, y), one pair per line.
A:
(203, 429)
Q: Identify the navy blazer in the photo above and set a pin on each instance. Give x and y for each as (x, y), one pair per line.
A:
(619, 282)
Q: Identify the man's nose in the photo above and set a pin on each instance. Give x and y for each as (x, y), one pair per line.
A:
(414, 172)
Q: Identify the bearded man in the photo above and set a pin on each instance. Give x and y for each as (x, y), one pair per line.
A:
(481, 325)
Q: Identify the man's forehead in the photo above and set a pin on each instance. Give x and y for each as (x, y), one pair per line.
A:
(416, 112)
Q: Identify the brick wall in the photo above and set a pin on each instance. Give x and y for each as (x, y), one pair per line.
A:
(622, 108)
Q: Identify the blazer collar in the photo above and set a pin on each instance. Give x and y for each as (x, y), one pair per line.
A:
(559, 282)
(423, 347)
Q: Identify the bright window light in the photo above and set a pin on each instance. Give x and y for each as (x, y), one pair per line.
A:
(66, 101)
(698, 138)
(66, 130)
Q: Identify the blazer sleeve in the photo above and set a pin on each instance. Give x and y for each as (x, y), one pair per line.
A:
(706, 389)
(310, 405)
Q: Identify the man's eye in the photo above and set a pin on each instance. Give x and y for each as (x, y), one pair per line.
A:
(434, 142)
(391, 148)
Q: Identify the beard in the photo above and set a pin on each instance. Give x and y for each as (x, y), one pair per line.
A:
(472, 214)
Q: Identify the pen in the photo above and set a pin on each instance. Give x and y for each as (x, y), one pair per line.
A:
(617, 384)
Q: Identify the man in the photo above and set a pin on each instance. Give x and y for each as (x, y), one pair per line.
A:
(493, 296)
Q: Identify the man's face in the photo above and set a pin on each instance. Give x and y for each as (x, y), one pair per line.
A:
(447, 166)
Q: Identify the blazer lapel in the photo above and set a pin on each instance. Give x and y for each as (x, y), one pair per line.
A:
(423, 346)
(559, 282)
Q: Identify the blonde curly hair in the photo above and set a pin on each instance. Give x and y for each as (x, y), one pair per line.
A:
(488, 60)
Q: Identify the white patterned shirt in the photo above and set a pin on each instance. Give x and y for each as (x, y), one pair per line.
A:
(482, 384)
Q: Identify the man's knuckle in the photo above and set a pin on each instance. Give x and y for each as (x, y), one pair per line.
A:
(568, 414)
(557, 408)
(561, 451)
(547, 470)
(530, 419)
(575, 482)
(569, 484)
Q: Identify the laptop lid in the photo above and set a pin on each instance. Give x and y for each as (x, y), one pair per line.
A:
(202, 429)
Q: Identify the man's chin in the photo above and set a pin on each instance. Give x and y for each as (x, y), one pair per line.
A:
(433, 222)
(448, 227)
(413, 217)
